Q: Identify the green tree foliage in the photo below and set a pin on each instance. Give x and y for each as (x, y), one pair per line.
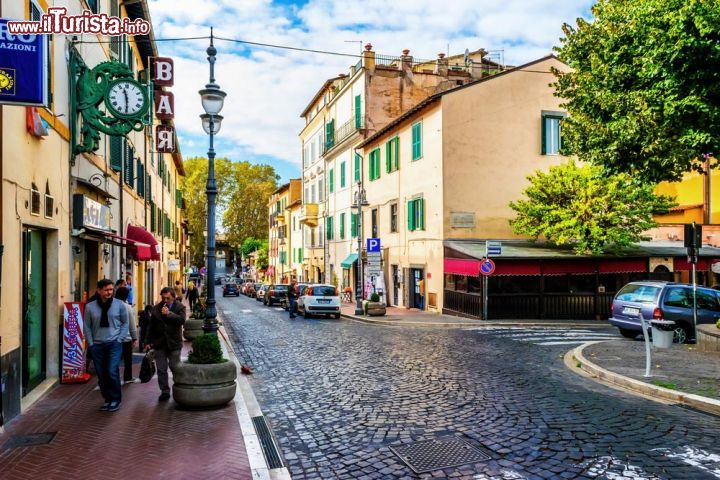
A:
(246, 214)
(262, 259)
(193, 186)
(644, 94)
(582, 207)
(249, 245)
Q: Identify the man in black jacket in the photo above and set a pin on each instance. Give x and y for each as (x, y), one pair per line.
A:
(164, 336)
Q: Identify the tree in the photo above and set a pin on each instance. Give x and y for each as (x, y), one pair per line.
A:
(643, 96)
(247, 212)
(193, 186)
(262, 258)
(583, 207)
(249, 245)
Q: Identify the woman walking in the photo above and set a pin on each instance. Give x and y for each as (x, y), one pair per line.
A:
(192, 294)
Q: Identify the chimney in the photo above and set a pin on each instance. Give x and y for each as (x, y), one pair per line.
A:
(406, 61)
(368, 58)
(441, 67)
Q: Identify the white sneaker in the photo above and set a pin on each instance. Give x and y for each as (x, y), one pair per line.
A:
(97, 387)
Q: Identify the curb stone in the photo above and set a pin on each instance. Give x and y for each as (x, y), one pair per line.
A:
(655, 392)
(479, 323)
(246, 407)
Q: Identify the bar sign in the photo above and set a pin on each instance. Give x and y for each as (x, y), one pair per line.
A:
(493, 249)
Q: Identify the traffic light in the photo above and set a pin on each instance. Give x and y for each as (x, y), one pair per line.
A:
(693, 235)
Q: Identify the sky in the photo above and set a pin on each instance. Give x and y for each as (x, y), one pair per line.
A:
(268, 88)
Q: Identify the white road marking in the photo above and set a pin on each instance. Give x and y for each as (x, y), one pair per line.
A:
(612, 468)
(246, 311)
(505, 474)
(576, 339)
(279, 309)
(569, 342)
(550, 336)
(705, 461)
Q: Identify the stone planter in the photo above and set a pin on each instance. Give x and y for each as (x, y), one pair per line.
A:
(193, 328)
(376, 309)
(204, 385)
(708, 338)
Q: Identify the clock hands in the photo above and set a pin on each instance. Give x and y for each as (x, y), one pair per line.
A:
(127, 102)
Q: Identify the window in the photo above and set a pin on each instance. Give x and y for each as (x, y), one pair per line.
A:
(392, 154)
(354, 225)
(342, 226)
(321, 194)
(551, 136)
(140, 178)
(129, 166)
(116, 151)
(358, 112)
(329, 228)
(300, 255)
(329, 134)
(312, 195)
(331, 181)
(374, 222)
(356, 169)
(416, 212)
(374, 164)
(394, 217)
(342, 174)
(417, 141)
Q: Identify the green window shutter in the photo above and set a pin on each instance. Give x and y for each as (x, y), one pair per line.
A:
(353, 225)
(300, 255)
(331, 180)
(417, 141)
(140, 178)
(116, 153)
(149, 187)
(396, 152)
(388, 157)
(152, 217)
(129, 170)
(358, 112)
(328, 228)
(329, 134)
(357, 168)
(543, 135)
(411, 215)
(342, 226)
(421, 213)
(342, 174)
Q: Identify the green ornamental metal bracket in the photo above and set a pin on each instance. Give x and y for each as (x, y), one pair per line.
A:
(90, 90)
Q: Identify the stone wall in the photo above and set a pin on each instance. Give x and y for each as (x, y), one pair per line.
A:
(708, 338)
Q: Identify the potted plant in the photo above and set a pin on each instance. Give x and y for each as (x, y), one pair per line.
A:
(207, 379)
(193, 325)
(374, 307)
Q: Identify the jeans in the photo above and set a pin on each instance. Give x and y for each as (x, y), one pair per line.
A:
(162, 359)
(106, 357)
(127, 351)
(292, 306)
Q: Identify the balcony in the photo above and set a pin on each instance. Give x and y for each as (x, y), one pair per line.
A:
(309, 214)
(280, 217)
(343, 132)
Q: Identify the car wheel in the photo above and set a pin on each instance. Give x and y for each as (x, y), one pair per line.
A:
(681, 334)
(306, 314)
(628, 333)
(337, 316)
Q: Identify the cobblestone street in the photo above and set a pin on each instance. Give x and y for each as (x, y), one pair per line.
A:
(339, 394)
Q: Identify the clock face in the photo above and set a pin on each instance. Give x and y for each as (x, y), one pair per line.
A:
(126, 99)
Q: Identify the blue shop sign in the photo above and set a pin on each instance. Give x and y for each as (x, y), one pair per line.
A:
(24, 68)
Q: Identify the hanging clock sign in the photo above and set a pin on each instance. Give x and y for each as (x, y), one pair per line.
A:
(126, 98)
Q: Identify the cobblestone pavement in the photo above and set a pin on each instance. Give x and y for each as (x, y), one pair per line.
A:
(339, 393)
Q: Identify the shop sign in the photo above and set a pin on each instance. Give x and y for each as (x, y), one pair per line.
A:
(73, 355)
(462, 219)
(173, 265)
(23, 68)
(91, 214)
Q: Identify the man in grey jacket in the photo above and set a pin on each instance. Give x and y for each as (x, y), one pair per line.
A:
(106, 326)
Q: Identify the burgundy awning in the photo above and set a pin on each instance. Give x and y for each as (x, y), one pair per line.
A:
(461, 266)
(561, 267)
(623, 265)
(518, 267)
(141, 236)
(680, 264)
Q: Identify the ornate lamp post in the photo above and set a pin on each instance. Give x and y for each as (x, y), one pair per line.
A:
(359, 201)
(212, 101)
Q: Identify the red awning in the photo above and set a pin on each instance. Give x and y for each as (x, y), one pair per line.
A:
(680, 264)
(461, 266)
(561, 267)
(623, 265)
(142, 238)
(522, 267)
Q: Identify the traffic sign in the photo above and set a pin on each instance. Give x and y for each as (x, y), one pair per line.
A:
(493, 249)
(373, 245)
(487, 267)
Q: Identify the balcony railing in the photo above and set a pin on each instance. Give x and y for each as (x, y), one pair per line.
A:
(344, 131)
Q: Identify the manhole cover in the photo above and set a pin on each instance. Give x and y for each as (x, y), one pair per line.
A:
(438, 454)
(29, 440)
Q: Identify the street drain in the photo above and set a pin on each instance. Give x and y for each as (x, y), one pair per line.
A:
(29, 440)
(437, 454)
(269, 448)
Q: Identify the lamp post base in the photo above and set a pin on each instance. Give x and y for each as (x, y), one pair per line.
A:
(359, 309)
(211, 327)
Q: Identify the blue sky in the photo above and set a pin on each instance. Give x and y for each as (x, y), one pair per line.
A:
(268, 88)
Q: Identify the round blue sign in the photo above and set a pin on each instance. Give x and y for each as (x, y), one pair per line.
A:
(487, 267)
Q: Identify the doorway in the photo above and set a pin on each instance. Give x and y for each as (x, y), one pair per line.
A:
(34, 316)
(417, 288)
(396, 284)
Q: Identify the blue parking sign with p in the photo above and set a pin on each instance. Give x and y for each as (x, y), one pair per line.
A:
(373, 244)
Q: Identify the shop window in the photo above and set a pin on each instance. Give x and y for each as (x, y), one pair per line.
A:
(461, 283)
(449, 281)
(474, 284)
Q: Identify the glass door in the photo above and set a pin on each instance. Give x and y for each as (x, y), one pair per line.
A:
(33, 309)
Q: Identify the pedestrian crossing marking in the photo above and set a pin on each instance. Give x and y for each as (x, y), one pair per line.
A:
(547, 336)
(279, 309)
(246, 311)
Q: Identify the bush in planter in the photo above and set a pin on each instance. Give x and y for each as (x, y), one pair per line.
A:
(206, 350)
(375, 297)
(718, 324)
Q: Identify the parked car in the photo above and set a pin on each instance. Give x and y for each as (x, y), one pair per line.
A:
(299, 290)
(319, 300)
(248, 289)
(256, 288)
(660, 300)
(276, 294)
(231, 288)
(261, 291)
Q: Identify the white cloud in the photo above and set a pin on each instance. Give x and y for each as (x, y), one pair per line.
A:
(268, 88)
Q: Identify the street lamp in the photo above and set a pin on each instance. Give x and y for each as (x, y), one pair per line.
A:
(212, 101)
(359, 201)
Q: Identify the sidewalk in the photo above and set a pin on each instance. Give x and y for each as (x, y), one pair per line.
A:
(144, 439)
(414, 317)
(680, 373)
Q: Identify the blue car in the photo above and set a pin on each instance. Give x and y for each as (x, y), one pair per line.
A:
(231, 288)
(660, 300)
